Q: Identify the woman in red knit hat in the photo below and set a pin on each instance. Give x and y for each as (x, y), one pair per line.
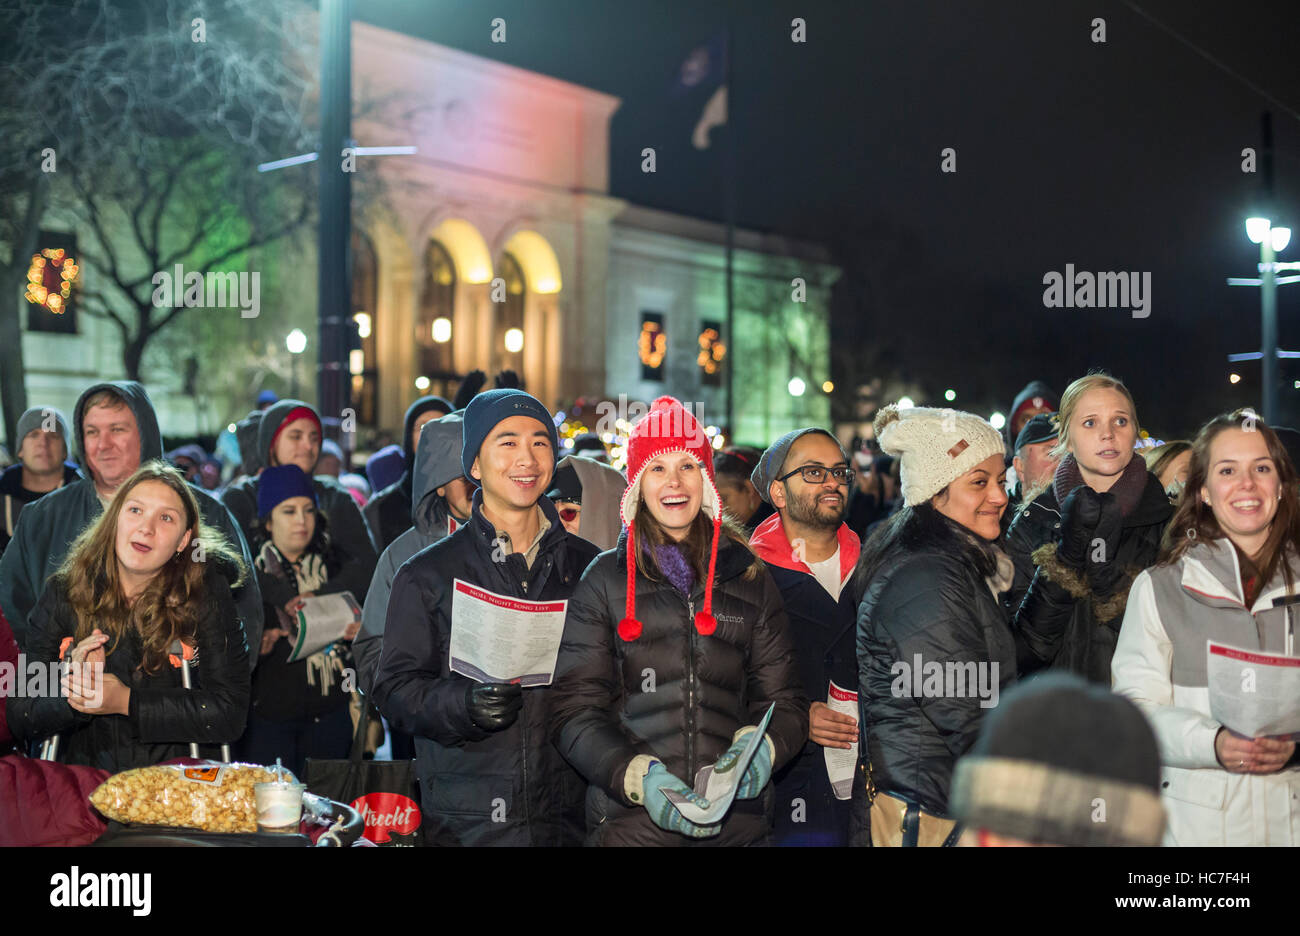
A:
(674, 647)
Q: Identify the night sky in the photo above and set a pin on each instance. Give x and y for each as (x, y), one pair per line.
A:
(1122, 156)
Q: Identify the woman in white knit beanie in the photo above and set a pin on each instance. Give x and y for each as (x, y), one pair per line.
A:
(934, 649)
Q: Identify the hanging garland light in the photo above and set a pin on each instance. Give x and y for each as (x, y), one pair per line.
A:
(50, 277)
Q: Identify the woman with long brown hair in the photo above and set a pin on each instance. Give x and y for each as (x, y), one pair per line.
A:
(1228, 561)
(674, 646)
(147, 574)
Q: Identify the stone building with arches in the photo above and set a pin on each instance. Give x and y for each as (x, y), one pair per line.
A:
(498, 245)
(495, 245)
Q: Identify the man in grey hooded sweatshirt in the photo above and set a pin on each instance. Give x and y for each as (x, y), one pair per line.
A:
(434, 514)
(115, 431)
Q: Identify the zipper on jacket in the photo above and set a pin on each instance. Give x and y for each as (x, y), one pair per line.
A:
(690, 694)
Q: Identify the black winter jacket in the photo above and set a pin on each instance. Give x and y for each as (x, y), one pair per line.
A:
(704, 689)
(467, 774)
(928, 601)
(822, 632)
(1060, 621)
(164, 717)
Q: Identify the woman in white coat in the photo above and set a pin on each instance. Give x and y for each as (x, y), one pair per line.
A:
(1231, 550)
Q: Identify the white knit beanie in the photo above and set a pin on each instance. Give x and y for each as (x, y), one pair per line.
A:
(937, 446)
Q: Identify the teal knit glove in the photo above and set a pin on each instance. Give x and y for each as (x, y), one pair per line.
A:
(759, 770)
(663, 813)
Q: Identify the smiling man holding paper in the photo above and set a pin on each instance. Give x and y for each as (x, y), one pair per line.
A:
(484, 604)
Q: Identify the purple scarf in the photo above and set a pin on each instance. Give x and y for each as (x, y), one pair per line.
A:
(675, 568)
(1127, 488)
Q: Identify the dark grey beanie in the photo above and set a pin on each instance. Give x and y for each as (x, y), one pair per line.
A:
(36, 418)
(769, 465)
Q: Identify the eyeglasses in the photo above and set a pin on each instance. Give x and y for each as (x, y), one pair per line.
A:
(568, 514)
(816, 474)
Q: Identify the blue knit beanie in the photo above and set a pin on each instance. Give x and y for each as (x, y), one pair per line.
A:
(277, 484)
(385, 467)
(493, 406)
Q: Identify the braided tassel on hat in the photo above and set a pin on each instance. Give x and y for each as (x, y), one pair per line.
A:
(630, 628)
(705, 622)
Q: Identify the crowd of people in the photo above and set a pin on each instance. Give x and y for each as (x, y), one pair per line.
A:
(952, 634)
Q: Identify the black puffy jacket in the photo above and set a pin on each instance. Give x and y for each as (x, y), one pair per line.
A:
(1061, 621)
(928, 601)
(508, 787)
(673, 693)
(164, 717)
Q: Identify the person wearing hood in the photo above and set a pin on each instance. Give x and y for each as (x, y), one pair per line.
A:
(1036, 398)
(442, 504)
(330, 461)
(188, 460)
(489, 774)
(389, 511)
(116, 431)
(675, 646)
(442, 498)
(587, 492)
(250, 459)
(290, 434)
(41, 468)
(1079, 545)
(811, 553)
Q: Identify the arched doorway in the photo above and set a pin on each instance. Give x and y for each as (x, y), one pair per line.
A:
(363, 363)
(508, 327)
(434, 335)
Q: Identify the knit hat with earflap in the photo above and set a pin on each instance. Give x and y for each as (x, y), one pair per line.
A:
(668, 427)
(937, 446)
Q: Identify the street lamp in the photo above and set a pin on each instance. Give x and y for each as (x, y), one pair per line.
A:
(296, 342)
(1272, 240)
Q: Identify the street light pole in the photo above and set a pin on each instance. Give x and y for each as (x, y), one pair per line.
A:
(1268, 330)
(334, 271)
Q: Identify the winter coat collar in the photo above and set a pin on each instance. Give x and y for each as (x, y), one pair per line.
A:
(733, 559)
(1212, 573)
(1129, 488)
(1153, 506)
(773, 546)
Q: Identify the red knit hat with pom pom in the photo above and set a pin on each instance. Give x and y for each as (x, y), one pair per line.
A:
(668, 427)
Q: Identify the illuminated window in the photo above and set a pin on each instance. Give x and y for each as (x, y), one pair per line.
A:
(509, 332)
(652, 346)
(711, 354)
(434, 336)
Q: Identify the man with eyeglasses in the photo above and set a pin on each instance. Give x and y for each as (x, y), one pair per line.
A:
(811, 554)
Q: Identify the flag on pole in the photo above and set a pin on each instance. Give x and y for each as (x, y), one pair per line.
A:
(706, 67)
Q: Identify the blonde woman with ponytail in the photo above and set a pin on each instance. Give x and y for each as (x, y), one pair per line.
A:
(1078, 546)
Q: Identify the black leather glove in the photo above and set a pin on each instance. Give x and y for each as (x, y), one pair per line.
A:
(1080, 515)
(1104, 572)
(494, 706)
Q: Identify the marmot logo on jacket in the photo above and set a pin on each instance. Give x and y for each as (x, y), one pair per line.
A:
(949, 680)
(730, 618)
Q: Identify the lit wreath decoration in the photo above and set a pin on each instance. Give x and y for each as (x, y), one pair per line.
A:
(49, 279)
